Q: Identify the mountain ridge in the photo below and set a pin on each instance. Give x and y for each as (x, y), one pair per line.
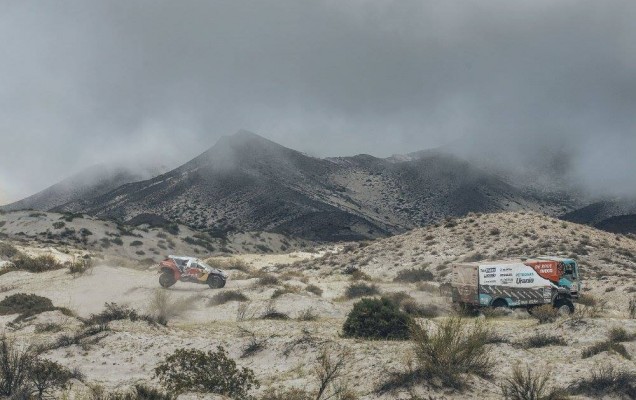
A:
(247, 182)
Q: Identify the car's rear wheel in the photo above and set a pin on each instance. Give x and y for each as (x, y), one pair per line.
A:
(166, 279)
(216, 282)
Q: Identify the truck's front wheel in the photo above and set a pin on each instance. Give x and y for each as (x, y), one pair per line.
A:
(564, 306)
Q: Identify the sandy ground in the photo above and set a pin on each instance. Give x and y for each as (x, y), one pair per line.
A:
(128, 352)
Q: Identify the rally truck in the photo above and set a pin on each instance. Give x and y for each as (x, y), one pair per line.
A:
(523, 283)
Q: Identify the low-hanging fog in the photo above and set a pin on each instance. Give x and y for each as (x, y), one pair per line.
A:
(83, 83)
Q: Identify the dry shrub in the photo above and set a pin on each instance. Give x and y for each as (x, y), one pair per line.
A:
(8, 250)
(529, 384)
(308, 314)
(543, 340)
(545, 313)
(80, 266)
(428, 287)
(593, 307)
(164, 307)
(605, 380)
(414, 275)
(416, 309)
(358, 275)
(619, 334)
(285, 290)
(603, 346)
(227, 296)
(37, 264)
(314, 289)
(355, 290)
(455, 348)
(631, 308)
(268, 280)
(286, 394)
(272, 313)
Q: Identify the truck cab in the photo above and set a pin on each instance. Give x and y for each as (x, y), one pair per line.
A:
(570, 277)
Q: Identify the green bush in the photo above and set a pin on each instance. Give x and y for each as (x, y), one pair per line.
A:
(452, 350)
(59, 225)
(46, 376)
(191, 370)
(361, 290)
(377, 319)
(414, 275)
(27, 305)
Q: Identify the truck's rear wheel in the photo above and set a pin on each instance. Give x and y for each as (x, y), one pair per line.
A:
(564, 306)
(500, 303)
(216, 282)
(166, 279)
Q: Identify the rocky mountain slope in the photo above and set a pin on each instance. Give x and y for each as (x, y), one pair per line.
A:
(248, 183)
(92, 182)
(611, 215)
(309, 290)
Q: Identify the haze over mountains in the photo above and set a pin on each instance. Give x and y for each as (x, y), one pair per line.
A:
(246, 182)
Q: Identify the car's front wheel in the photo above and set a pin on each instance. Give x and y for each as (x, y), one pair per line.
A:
(166, 279)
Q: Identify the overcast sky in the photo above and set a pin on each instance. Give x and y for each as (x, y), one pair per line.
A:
(85, 82)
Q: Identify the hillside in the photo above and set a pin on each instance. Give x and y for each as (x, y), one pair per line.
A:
(617, 216)
(309, 289)
(248, 183)
(129, 244)
(92, 182)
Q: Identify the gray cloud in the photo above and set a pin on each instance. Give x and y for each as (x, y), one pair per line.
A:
(89, 82)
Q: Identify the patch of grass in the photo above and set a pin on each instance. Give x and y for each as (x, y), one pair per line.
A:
(414, 275)
(377, 319)
(136, 243)
(605, 380)
(456, 348)
(356, 290)
(543, 340)
(227, 296)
